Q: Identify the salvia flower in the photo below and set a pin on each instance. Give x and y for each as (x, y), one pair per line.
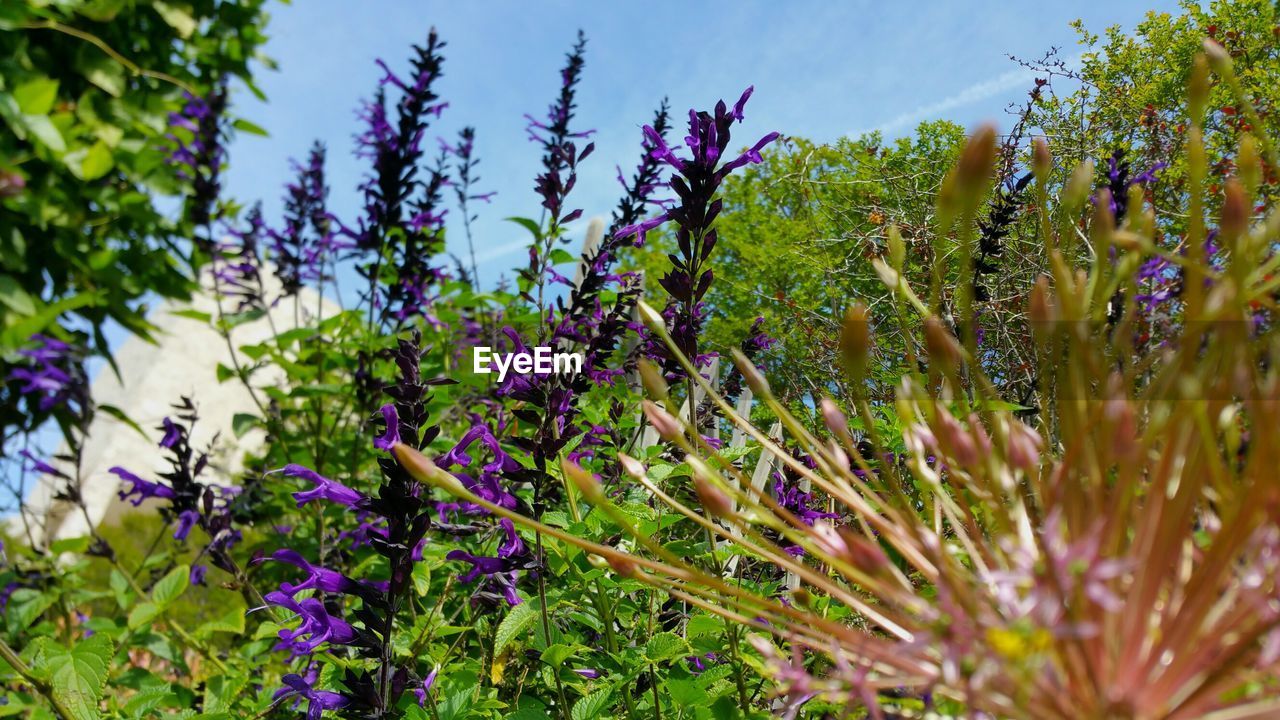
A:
(317, 700)
(305, 244)
(198, 137)
(53, 377)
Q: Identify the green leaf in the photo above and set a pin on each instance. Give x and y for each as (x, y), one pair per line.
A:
(171, 585)
(120, 415)
(17, 299)
(666, 646)
(43, 129)
(513, 625)
(77, 675)
(593, 706)
(143, 614)
(70, 545)
(421, 579)
(245, 126)
(242, 423)
(221, 691)
(203, 317)
(557, 654)
(36, 97)
(179, 18)
(527, 224)
(700, 625)
(97, 162)
(25, 605)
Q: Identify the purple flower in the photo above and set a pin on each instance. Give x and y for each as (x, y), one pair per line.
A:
(301, 249)
(424, 688)
(144, 489)
(172, 434)
(588, 673)
(322, 579)
(317, 700)
(186, 520)
(458, 454)
(54, 378)
(392, 435)
(197, 574)
(324, 488)
(40, 466)
(197, 135)
(317, 626)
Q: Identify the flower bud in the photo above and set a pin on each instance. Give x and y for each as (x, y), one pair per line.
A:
(1119, 412)
(651, 318)
(1248, 162)
(586, 483)
(1041, 160)
(668, 427)
(855, 341)
(1024, 447)
(897, 248)
(751, 374)
(1078, 185)
(863, 554)
(1234, 222)
(651, 377)
(955, 440)
(1218, 56)
(975, 167)
(1040, 306)
(714, 500)
(1198, 89)
(835, 420)
(622, 565)
(941, 345)
(631, 466)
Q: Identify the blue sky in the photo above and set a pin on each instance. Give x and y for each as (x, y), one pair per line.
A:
(820, 70)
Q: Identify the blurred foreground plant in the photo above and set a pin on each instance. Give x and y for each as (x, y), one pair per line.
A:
(1115, 558)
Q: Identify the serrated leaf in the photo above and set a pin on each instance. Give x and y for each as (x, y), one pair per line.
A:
(557, 654)
(77, 675)
(666, 646)
(97, 162)
(593, 706)
(221, 691)
(171, 586)
(513, 625)
(700, 625)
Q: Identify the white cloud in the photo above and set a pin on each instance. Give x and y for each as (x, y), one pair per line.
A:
(978, 91)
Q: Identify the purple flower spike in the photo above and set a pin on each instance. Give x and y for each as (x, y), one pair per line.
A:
(324, 488)
(323, 579)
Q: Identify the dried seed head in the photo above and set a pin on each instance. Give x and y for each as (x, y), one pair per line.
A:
(1041, 160)
(855, 341)
(586, 483)
(668, 427)
(651, 377)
